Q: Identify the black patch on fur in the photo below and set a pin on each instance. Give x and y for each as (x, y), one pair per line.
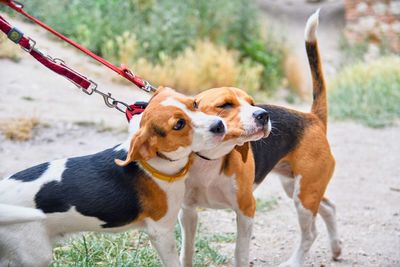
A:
(96, 187)
(287, 130)
(313, 59)
(32, 173)
(159, 131)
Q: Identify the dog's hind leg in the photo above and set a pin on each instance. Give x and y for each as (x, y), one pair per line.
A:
(327, 211)
(287, 184)
(188, 223)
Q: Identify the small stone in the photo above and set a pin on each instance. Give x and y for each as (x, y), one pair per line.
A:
(379, 8)
(384, 27)
(395, 8)
(363, 253)
(396, 27)
(366, 23)
(362, 8)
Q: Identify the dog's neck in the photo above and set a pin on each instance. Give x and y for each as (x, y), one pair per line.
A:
(168, 167)
(217, 153)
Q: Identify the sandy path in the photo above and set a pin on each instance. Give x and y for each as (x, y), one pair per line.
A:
(365, 185)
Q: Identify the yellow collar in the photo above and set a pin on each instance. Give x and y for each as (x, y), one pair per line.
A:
(165, 177)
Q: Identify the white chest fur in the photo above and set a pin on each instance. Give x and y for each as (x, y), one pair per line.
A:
(175, 192)
(207, 187)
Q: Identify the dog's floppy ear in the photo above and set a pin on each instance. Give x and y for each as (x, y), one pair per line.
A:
(141, 148)
(243, 150)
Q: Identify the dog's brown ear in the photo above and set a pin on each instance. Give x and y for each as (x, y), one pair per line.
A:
(142, 147)
(243, 150)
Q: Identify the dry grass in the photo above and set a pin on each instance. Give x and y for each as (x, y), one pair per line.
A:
(19, 129)
(295, 75)
(9, 50)
(204, 66)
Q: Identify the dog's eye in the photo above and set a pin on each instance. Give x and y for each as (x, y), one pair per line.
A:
(195, 105)
(226, 106)
(179, 124)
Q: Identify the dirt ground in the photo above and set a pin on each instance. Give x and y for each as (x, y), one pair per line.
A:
(365, 187)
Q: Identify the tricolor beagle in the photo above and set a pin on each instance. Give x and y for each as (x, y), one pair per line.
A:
(297, 148)
(103, 193)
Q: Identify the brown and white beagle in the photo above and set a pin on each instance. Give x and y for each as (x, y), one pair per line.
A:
(297, 148)
(103, 193)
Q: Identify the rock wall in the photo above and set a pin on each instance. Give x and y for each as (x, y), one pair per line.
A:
(375, 21)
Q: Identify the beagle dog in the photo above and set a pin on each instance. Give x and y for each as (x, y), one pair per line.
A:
(297, 148)
(102, 192)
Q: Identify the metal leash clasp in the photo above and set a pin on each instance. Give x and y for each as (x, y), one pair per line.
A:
(111, 102)
(148, 87)
(108, 99)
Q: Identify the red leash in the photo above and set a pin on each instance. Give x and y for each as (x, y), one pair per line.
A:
(58, 66)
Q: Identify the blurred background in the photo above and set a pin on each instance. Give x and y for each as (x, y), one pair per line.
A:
(193, 45)
(255, 45)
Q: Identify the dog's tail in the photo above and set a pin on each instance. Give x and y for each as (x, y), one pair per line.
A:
(10, 214)
(319, 106)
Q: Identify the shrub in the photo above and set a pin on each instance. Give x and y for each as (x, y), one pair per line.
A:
(18, 129)
(206, 65)
(8, 49)
(368, 93)
(167, 29)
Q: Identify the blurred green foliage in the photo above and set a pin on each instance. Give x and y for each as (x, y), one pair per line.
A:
(166, 27)
(367, 92)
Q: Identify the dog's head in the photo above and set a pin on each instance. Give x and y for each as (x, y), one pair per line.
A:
(245, 121)
(173, 126)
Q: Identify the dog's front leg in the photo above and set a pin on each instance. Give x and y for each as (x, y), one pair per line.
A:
(188, 222)
(163, 240)
(244, 231)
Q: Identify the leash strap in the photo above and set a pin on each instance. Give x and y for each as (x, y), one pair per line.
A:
(55, 65)
(123, 71)
(58, 66)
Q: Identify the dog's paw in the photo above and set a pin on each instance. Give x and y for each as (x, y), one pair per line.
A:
(336, 247)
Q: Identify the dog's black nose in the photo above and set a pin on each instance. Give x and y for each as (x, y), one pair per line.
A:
(217, 127)
(261, 117)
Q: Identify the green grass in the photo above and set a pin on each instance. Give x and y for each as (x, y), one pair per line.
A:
(367, 93)
(132, 249)
(125, 249)
(264, 205)
(224, 238)
(352, 53)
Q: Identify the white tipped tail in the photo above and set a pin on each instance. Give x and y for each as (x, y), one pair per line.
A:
(310, 33)
(319, 106)
(10, 214)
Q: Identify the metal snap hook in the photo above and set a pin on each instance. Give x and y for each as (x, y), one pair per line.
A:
(109, 100)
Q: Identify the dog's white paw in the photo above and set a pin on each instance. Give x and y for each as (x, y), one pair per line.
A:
(336, 247)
